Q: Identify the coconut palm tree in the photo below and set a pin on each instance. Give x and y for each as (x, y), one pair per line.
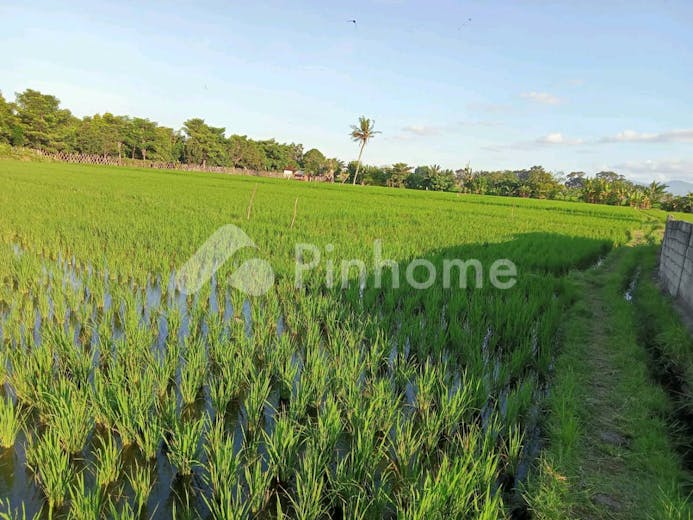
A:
(362, 133)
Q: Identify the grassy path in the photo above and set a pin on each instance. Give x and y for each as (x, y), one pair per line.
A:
(609, 453)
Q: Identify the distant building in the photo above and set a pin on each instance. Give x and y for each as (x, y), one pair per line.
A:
(289, 173)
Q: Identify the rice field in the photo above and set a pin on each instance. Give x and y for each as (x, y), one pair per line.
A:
(124, 398)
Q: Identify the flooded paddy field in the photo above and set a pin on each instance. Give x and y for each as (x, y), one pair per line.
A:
(125, 397)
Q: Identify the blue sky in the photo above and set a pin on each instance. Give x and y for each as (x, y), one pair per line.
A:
(585, 85)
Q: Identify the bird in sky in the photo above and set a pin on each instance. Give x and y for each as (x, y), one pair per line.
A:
(352, 21)
(467, 22)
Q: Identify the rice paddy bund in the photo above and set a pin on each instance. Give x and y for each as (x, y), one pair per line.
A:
(123, 398)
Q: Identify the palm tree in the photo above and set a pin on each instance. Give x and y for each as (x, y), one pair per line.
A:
(655, 191)
(362, 134)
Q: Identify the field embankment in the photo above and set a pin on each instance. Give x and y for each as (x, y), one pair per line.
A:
(616, 443)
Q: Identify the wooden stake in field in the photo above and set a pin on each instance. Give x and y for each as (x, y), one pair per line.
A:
(250, 206)
(293, 219)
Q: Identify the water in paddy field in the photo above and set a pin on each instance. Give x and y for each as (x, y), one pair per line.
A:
(92, 321)
(628, 295)
(95, 308)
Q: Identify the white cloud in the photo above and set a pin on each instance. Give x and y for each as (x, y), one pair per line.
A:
(631, 136)
(488, 107)
(557, 138)
(645, 171)
(542, 97)
(422, 130)
(478, 122)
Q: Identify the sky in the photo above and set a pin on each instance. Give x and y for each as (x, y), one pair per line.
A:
(588, 85)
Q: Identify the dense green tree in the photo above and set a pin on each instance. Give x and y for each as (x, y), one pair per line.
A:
(673, 203)
(610, 176)
(333, 168)
(418, 178)
(314, 162)
(279, 155)
(463, 176)
(374, 175)
(543, 184)
(44, 125)
(440, 179)
(142, 137)
(10, 131)
(575, 180)
(399, 173)
(204, 144)
(245, 153)
(167, 145)
(101, 135)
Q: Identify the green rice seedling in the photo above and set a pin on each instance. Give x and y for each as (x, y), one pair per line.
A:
(223, 462)
(12, 419)
(456, 405)
(32, 375)
(448, 492)
(107, 461)
(520, 399)
(74, 362)
(149, 434)
(358, 506)
(317, 376)
(221, 391)
(184, 511)
(329, 426)
(69, 414)
(405, 444)
(101, 398)
(167, 409)
(512, 450)
(164, 371)
(129, 405)
(4, 362)
(299, 402)
(288, 372)
(367, 451)
(228, 504)
(254, 404)
(51, 467)
(283, 448)
(309, 503)
(193, 372)
(184, 444)
(258, 482)
(8, 513)
(86, 504)
(141, 482)
(126, 512)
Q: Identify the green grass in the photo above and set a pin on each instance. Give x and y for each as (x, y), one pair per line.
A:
(371, 403)
(609, 453)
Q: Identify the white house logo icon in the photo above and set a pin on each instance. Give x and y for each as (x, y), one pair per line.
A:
(254, 277)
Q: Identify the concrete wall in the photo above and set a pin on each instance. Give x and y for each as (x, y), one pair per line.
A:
(676, 261)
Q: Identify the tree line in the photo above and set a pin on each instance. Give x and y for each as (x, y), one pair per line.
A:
(36, 120)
